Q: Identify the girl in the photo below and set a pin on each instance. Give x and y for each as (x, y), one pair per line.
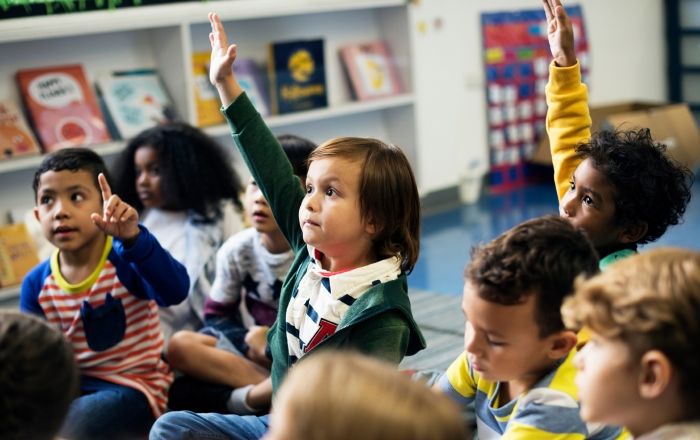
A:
(186, 190)
(354, 233)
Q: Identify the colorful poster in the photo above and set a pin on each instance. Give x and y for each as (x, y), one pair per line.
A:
(516, 59)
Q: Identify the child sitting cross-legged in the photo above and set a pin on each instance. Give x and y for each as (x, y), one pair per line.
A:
(230, 352)
(640, 368)
(102, 288)
(517, 368)
(354, 230)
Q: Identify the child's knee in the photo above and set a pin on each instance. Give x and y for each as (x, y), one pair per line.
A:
(180, 346)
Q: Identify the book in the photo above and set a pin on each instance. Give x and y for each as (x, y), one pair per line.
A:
(16, 138)
(297, 76)
(18, 254)
(253, 81)
(371, 70)
(62, 107)
(206, 97)
(135, 100)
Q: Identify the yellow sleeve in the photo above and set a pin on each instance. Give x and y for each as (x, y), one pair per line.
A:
(458, 379)
(568, 121)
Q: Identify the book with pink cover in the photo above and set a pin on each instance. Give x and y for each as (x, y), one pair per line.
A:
(62, 107)
(371, 70)
(16, 138)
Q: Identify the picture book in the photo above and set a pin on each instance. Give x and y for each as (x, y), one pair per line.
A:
(252, 80)
(18, 254)
(62, 107)
(297, 76)
(135, 100)
(16, 138)
(371, 70)
(205, 96)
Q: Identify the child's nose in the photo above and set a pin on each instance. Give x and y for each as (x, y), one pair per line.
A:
(60, 209)
(568, 207)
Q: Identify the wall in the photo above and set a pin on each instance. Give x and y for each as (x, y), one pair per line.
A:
(628, 61)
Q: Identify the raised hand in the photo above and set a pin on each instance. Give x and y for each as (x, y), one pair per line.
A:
(119, 219)
(221, 64)
(560, 33)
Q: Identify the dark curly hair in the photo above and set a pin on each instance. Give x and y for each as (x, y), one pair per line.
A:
(38, 377)
(196, 172)
(540, 257)
(650, 187)
(72, 159)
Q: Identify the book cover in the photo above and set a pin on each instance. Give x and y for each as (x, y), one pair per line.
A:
(297, 76)
(16, 138)
(135, 100)
(206, 97)
(253, 81)
(18, 254)
(62, 107)
(371, 70)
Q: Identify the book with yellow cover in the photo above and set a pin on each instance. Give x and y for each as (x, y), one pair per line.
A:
(205, 96)
(18, 254)
(16, 138)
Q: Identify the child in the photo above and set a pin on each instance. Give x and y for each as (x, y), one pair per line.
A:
(640, 368)
(102, 288)
(619, 187)
(354, 235)
(517, 369)
(183, 185)
(377, 403)
(242, 305)
(38, 378)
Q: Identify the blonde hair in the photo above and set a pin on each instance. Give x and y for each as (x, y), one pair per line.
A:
(343, 395)
(649, 301)
(388, 194)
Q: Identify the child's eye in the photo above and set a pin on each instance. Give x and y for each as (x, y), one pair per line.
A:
(331, 192)
(495, 343)
(572, 184)
(588, 200)
(77, 197)
(253, 183)
(44, 200)
(309, 189)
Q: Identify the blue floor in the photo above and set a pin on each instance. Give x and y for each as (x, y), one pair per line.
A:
(448, 236)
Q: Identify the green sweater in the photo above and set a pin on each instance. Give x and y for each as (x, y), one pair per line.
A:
(380, 322)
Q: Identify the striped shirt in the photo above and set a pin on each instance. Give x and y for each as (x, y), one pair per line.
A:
(115, 332)
(549, 410)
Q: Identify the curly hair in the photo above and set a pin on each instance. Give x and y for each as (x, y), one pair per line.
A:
(649, 301)
(38, 377)
(72, 159)
(540, 257)
(650, 187)
(196, 172)
(388, 194)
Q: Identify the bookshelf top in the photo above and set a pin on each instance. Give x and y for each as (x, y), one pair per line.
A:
(170, 14)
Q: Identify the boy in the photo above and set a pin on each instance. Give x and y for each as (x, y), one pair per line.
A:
(241, 307)
(619, 187)
(640, 368)
(517, 369)
(102, 288)
(38, 378)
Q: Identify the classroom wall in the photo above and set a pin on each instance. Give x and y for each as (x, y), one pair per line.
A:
(628, 62)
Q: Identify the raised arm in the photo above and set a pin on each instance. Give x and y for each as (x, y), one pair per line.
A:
(119, 219)
(223, 55)
(568, 116)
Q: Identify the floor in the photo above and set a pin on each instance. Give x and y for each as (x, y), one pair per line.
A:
(448, 236)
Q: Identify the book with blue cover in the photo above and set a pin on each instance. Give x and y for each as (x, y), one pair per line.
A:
(297, 76)
(135, 100)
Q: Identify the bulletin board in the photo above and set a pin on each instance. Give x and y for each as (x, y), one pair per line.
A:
(516, 62)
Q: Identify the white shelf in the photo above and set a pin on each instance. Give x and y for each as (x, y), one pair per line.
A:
(158, 16)
(9, 293)
(30, 162)
(346, 109)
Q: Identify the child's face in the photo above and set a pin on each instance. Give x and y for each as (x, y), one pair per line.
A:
(148, 177)
(590, 205)
(607, 382)
(257, 209)
(330, 213)
(502, 341)
(65, 201)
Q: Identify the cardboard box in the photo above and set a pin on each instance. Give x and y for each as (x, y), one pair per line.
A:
(672, 125)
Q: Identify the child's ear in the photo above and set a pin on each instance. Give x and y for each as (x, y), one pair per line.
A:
(633, 233)
(36, 214)
(371, 228)
(655, 374)
(562, 343)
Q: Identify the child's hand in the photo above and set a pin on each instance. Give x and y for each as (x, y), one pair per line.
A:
(560, 33)
(256, 338)
(119, 219)
(221, 64)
